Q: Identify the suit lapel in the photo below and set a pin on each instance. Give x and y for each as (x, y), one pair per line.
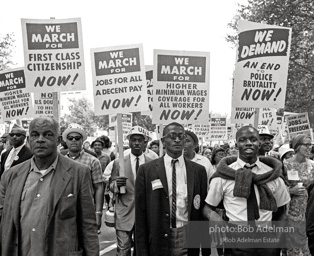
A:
(190, 183)
(20, 156)
(16, 195)
(128, 168)
(59, 180)
(161, 170)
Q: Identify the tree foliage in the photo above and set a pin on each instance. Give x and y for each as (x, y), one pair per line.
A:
(6, 48)
(82, 113)
(143, 121)
(298, 15)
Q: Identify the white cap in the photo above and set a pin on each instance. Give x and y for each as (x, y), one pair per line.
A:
(138, 130)
(263, 130)
(284, 149)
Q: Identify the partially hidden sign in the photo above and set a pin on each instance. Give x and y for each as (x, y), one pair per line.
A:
(298, 124)
(53, 55)
(261, 70)
(119, 79)
(149, 86)
(15, 101)
(43, 104)
(181, 87)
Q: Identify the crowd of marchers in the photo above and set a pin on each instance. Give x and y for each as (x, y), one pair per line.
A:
(55, 187)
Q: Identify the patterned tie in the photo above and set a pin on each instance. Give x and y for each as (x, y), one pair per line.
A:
(137, 164)
(252, 206)
(174, 194)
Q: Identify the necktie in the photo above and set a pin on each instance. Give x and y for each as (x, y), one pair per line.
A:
(137, 164)
(252, 206)
(174, 194)
(11, 159)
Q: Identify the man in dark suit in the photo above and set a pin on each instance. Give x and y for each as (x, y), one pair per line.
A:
(162, 215)
(19, 151)
(46, 203)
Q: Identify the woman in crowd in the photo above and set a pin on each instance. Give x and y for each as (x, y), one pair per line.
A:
(217, 154)
(107, 146)
(299, 174)
(154, 145)
(207, 153)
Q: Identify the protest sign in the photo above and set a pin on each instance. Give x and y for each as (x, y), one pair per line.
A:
(231, 132)
(242, 115)
(268, 117)
(181, 87)
(53, 55)
(119, 79)
(15, 101)
(201, 130)
(126, 124)
(218, 128)
(261, 69)
(298, 124)
(25, 123)
(149, 84)
(43, 104)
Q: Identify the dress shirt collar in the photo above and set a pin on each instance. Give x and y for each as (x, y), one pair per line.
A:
(50, 168)
(168, 159)
(76, 157)
(18, 148)
(133, 157)
(242, 163)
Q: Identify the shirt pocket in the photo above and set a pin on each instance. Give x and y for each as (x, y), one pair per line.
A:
(67, 207)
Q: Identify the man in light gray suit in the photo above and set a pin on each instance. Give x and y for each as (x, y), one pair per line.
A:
(124, 205)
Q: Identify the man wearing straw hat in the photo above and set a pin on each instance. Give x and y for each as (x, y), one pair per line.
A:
(74, 136)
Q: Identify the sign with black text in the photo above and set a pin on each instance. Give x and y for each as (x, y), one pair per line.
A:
(53, 55)
(261, 70)
(181, 87)
(119, 79)
(15, 100)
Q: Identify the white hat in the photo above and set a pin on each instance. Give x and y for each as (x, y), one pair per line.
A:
(138, 130)
(74, 128)
(263, 130)
(284, 149)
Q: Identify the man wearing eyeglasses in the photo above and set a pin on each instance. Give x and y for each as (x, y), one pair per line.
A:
(19, 151)
(74, 136)
(124, 205)
(169, 192)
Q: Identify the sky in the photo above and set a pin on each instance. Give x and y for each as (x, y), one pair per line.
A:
(168, 25)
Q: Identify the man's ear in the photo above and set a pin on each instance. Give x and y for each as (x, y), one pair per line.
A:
(162, 141)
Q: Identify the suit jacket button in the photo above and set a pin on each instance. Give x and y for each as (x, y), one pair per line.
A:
(167, 197)
(167, 214)
(166, 235)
